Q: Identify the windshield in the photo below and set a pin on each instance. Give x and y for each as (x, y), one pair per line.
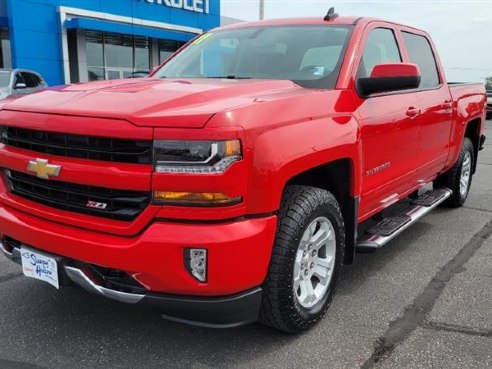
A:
(310, 56)
(4, 79)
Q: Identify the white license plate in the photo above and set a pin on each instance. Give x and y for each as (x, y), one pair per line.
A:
(39, 266)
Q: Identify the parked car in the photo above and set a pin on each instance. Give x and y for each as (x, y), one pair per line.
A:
(139, 74)
(234, 183)
(14, 82)
(489, 105)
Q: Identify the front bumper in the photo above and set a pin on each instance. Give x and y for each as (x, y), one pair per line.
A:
(239, 254)
(212, 312)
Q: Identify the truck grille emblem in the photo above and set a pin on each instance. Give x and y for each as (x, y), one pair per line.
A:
(96, 205)
(43, 169)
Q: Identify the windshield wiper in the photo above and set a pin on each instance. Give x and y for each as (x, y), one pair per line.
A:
(229, 77)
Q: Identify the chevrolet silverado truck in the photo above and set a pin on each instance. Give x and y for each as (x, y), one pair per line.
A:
(232, 184)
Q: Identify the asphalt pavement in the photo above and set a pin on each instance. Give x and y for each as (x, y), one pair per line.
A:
(423, 301)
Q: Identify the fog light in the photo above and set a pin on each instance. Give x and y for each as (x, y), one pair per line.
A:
(196, 263)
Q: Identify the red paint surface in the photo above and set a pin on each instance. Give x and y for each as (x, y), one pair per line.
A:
(284, 129)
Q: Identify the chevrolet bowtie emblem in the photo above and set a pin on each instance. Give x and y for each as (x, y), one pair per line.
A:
(43, 169)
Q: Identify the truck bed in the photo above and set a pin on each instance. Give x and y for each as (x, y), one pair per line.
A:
(464, 89)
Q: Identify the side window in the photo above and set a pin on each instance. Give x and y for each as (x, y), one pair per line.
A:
(36, 79)
(39, 80)
(381, 47)
(28, 79)
(420, 53)
(18, 79)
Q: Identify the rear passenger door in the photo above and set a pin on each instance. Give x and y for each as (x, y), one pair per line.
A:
(389, 130)
(436, 107)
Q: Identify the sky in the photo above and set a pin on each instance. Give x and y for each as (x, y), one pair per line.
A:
(461, 30)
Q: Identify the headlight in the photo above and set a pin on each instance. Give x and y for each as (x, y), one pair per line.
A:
(195, 157)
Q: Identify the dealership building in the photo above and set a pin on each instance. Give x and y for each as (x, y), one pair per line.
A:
(71, 41)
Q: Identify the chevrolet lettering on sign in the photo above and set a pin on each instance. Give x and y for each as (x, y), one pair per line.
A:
(197, 6)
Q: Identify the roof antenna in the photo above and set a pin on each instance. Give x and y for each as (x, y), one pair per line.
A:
(330, 15)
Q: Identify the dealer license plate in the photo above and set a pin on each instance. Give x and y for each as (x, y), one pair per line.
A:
(39, 266)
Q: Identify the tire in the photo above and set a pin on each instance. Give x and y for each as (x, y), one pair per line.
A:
(305, 214)
(459, 177)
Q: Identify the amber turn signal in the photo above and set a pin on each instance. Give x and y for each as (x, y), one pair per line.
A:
(195, 198)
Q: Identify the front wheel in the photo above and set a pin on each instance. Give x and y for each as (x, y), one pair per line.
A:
(459, 177)
(306, 260)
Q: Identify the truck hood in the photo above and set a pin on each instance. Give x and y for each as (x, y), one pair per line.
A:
(187, 103)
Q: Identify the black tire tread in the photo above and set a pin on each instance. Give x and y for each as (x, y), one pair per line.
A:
(297, 201)
(451, 179)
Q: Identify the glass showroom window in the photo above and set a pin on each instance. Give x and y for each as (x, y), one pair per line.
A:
(95, 55)
(115, 56)
(5, 55)
(167, 47)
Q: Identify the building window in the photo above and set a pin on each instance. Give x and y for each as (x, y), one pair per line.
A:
(167, 47)
(5, 53)
(95, 55)
(115, 56)
(142, 54)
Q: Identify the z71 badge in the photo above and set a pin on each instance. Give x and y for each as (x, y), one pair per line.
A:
(96, 205)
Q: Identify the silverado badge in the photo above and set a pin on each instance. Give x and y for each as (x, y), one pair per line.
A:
(43, 169)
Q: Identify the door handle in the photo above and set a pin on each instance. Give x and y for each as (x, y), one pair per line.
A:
(413, 112)
(447, 105)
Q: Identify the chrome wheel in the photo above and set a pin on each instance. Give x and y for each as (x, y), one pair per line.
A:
(315, 262)
(465, 174)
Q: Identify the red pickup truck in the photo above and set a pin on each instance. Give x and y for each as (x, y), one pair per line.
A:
(234, 183)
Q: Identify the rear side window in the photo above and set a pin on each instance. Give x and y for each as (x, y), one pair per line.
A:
(19, 78)
(420, 52)
(381, 48)
(36, 79)
(28, 78)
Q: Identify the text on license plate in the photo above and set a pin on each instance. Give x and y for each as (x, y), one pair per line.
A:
(39, 266)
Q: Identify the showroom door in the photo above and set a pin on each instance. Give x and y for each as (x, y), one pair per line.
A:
(118, 73)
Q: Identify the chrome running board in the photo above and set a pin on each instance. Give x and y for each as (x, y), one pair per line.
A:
(383, 232)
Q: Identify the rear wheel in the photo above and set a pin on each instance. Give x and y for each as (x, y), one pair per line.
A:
(306, 260)
(459, 177)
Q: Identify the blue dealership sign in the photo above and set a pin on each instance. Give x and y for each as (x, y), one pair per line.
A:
(46, 35)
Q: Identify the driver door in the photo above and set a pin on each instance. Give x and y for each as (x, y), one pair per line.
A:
(389, 130)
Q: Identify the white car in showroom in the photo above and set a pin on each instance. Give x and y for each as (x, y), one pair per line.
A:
(15, 82)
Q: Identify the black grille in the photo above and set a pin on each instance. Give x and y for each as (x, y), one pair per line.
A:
(120, 204)
(79, 146)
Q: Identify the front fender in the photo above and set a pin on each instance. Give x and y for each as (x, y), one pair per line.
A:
(284, 152)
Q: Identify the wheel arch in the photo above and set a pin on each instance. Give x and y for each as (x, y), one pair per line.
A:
(336, 177)
(472, 131)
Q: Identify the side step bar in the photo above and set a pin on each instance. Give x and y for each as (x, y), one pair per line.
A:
(387, 229)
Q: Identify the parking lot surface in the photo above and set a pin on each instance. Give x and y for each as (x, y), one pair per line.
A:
(422, 301)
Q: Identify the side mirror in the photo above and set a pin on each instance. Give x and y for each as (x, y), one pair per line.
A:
(390, 77)
(20, 85)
